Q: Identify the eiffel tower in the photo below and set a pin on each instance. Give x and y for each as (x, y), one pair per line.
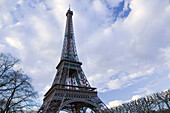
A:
(71, 91)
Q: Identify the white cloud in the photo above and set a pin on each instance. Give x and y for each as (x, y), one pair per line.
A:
(20, 2)
(121, 81)
(115, 103)
(43, 92)
(99, 6)
(120, 102)
(14, 42)
(114, 84)
(136, 97)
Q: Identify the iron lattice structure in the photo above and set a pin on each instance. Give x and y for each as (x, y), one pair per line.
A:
(71, 90)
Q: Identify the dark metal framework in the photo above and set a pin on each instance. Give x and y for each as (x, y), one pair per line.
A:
(70, 90)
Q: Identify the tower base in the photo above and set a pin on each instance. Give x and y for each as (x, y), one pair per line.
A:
(73, 99)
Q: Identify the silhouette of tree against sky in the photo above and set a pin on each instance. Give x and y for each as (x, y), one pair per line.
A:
(16, 91)
(157, 102)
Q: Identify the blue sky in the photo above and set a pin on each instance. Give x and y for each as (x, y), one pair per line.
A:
(124, 45)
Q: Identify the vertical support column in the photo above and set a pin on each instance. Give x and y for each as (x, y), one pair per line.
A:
(77, 108)
(61, 103)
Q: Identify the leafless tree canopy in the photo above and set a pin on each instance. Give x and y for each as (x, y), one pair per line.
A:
(155, 103)
(16, 91)
(7, 62)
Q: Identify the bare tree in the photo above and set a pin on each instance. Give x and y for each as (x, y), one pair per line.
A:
(16, 91)
(128, 107)
(7, 62)
(158, 102)
(149, 103)
(164, 97)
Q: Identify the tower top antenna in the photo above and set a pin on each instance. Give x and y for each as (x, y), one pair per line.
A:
(69, 7)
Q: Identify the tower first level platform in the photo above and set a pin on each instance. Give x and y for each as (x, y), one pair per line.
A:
(72, 99)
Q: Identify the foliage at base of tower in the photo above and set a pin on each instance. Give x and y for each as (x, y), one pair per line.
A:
(16, 92)
(155, 103)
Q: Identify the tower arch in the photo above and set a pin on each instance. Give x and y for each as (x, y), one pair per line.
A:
(82, 104)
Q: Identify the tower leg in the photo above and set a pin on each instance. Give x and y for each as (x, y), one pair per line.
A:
(77, 109)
